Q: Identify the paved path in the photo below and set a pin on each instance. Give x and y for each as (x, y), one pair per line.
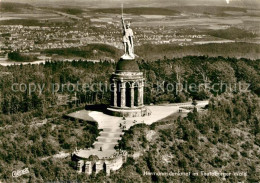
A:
(111, 126)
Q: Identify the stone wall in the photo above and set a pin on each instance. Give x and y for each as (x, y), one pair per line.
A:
(106, 165)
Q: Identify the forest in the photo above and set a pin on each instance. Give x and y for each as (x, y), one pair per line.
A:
(19, 57)
(150, 52)
(33, 127)
(232, 33)
(89, 51)
(224, 139)
(215, 10)
(186, 70)
(243, 50)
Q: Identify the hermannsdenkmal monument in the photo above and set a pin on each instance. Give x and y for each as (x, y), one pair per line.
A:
(128, 81)
(126, 109)
(126, 101)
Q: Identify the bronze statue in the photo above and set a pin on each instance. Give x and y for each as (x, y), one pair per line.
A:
(128, 36)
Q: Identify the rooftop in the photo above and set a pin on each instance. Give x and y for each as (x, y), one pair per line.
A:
(127, 66)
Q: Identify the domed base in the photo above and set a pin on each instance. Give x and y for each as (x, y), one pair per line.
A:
(128, 112)
(127, 65)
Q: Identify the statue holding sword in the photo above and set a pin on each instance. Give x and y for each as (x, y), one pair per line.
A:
(128, 36)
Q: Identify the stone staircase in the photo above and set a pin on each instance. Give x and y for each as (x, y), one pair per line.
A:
(108, 138)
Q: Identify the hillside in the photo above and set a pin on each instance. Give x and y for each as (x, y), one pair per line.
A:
(210, 139)
(237, 50)
(158, 73)
(209, 10)
(153, 52)
(91, 51)
(225, 139)
(14, 7)
(138, 11)
(232, 33)
(172, 10)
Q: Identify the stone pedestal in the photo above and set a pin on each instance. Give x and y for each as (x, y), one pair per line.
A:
(127, 79)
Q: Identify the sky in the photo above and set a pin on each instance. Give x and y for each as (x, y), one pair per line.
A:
(104, 3)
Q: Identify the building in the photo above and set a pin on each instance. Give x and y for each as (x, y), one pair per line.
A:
(128, 90)
(92, 161)
(127, 101)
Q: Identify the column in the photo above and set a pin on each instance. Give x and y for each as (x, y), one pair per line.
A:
(132, 94)
(115, 94)
(99, 167)
(88, 167)
(80, 165)
(108, 168)
(142, 93)
(122, 94)
(139, 94)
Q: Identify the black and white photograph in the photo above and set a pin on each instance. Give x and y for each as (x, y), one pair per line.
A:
(129, 91)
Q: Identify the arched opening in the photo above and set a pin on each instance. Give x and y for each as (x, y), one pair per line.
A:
(118, 94)
(128, 94)
(136, 96)
(83, 168)
(94, 167)
(104, 167)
